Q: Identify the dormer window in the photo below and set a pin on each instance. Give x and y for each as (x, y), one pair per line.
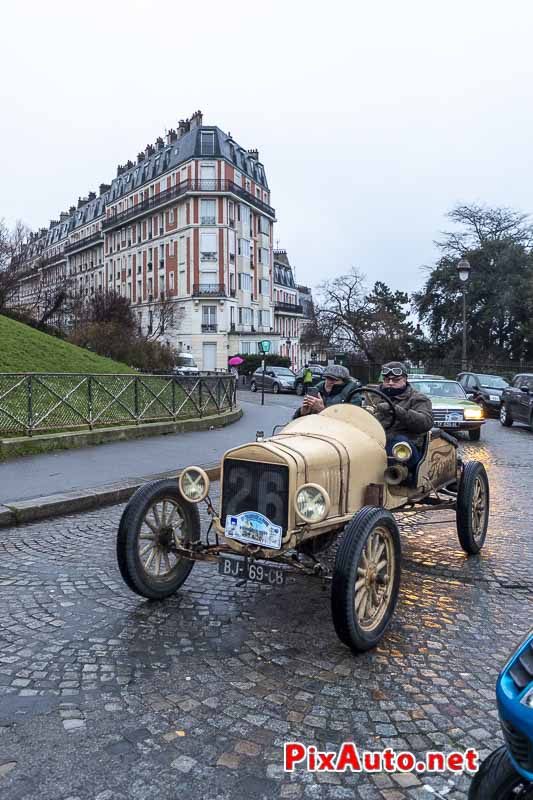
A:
(207, 143)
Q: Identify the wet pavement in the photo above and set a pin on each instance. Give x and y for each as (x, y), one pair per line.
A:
(105, 696)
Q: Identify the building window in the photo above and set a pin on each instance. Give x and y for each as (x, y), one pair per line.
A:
(171, 281)
(264, 287)
(208, 212)
(182, 251)
(244, 248)
(264, 225)
(244, 215)
(265, 318)
(208, 246)
(245, 282)
(171, 217)
(207, 143)
(209, 319)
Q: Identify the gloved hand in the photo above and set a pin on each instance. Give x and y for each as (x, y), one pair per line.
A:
(383, 408)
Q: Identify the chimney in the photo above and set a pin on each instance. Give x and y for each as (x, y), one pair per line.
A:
(159, 143)
(81, 201)
(72, 209)
(171, 136)
(104, 187)
(53, 223)
(120, 170)
(63, 216)
(254, 154)
(92, 196)
(140, 157)
(129, 164)
(149, 150)
(196, 119)
(183, 127)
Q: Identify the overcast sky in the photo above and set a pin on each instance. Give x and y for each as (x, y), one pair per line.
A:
(372, 118)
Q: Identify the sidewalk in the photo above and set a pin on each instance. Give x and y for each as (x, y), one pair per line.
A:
(72, 480)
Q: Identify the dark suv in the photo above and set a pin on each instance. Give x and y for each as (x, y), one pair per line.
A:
(486, 390)
(316, 371)
(517, 401)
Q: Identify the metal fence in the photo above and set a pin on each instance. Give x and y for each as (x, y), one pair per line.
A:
(369, 372)
(40, 402)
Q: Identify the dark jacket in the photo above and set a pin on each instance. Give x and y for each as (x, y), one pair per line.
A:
(414, 415)
(345, 393)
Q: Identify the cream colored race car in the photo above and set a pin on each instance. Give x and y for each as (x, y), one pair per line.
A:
(285, 499)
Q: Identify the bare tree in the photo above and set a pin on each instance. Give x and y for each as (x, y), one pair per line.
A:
(369, 324)
(482, 226)
(13, 244)
(166, 314)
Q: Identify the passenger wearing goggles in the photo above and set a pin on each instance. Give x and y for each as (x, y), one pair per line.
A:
(414, 415)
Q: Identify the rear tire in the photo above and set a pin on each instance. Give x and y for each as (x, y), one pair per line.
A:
(366, 578)
(473, 505)
(275, 388)
(474, 434)
(253, 386)
(154, 519)
(505, 416)
(497, 779)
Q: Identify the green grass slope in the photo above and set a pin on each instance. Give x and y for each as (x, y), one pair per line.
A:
(24, 349)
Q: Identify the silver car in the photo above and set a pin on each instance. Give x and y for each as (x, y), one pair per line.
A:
(277, 379)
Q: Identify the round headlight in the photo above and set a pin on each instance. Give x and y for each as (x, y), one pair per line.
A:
(194, 484)
(312, 503)
(402, 451)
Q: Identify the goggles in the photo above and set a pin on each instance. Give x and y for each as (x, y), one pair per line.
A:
(396, 371)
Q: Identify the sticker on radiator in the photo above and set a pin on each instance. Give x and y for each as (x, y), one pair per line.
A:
(252, 527)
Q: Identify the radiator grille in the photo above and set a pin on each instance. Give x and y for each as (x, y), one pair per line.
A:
(518, 745)
(440, 414)
(249, 486)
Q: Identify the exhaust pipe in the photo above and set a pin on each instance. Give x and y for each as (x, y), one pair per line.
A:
(396, 474)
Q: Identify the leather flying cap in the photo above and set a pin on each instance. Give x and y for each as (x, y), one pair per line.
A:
(337, 372)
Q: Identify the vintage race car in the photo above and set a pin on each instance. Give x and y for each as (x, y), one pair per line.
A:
(286, 498)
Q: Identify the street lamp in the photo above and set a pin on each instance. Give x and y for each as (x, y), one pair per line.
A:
(264, 349)
(288, 343)
(463, 268)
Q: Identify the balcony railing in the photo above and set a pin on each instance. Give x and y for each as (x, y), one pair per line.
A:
(208, 256)
(209, 327)
(81, 244)
(207, 220)
(288, 308)
(209, 290)
(186, 187)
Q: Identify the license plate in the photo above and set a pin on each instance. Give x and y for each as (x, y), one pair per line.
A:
(243, 569)
(251, 527)
(447, 423)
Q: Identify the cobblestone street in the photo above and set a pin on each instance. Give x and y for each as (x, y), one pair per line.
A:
(105, 696)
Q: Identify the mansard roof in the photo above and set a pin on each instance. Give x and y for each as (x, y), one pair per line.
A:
(156, 161)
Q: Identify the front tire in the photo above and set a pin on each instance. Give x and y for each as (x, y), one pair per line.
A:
(156, 518)
(473, 504)
(505, 416)
(497, 779)
(366, 578)
(474, 434)
(253, 386)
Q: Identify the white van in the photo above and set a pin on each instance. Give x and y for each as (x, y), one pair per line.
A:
(186, 365)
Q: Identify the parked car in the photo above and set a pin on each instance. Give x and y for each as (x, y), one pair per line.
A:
(507, 773)
(277, 379)
(517, 401)
(316, 371)
(486, 390)
(185, 365)
(324, 479)
(452, 410)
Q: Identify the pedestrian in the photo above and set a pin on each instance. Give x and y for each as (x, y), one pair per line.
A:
(307, 378)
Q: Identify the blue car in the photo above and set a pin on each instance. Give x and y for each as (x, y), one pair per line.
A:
(507, 774)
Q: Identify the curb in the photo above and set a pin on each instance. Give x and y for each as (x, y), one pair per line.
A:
(56, 505)
(46, 443)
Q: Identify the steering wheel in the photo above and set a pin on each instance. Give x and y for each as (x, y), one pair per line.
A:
(371, 390)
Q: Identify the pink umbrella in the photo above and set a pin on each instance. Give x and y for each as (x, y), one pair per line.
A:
(235, 361)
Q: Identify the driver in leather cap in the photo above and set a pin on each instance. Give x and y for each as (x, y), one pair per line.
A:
(414, 415)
